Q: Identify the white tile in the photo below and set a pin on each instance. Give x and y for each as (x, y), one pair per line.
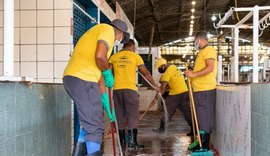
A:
(16, 53)
(1, 18)
(45, 17)
(16, 18)
(62, 17)
(17, 69)
(1, 68)
(63, 4)
(45, 70)
(45, 35)
(16, 35)
(45, 4)
(61, 52)
(28, 52)
(28, 19)
(1, 53)
(1, 4)
(28, 4)
(1, 35)
(58, 80)
(45, 80)
(28, 69)
(45, 52)
(59, 68)
(62, 35)
(28, 35)
(16, 4)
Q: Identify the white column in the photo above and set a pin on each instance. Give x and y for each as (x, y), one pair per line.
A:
(236, 54)
(219, 70)
(255, 43)
(229, 71)
(8, 37)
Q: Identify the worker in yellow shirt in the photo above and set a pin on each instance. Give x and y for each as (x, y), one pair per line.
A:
(124, 65)
(203, 80)
(178, 97)
(88, 66)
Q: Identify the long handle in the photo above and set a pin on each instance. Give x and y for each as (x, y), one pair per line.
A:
(194, 109)
(192, 119)
(112, 127)
(150, 106)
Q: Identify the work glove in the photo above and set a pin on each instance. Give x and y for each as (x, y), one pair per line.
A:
(106, 105)
(108, 77)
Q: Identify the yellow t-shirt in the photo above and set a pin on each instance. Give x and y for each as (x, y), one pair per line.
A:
(175, 79)
(207, 82)
(125, 64)
(82, 63)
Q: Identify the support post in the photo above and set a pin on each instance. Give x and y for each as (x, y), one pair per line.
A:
(255, 44)
(9, 38)
(236, 54)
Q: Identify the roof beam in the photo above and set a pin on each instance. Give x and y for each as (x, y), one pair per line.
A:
(157, 18)
(180, 17)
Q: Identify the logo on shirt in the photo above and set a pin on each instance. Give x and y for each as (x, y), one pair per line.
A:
(123, 62)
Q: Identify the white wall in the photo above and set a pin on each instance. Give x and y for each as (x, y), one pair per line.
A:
(43, 38)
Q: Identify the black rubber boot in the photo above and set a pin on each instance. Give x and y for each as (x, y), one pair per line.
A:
(132, 139)
(161, 128)
(205, 142)
(97, 153)
(79, 149)
(122, 137)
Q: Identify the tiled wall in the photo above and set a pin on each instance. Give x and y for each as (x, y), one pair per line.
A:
(35, 120)
(43, 38)
(232, 130)
(260, 119)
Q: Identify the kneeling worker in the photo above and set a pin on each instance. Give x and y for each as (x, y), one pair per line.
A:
(178, 92)
(124, 64)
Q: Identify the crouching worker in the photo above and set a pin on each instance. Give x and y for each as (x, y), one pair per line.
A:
(126, 99)
(178, 97)
(88, 63)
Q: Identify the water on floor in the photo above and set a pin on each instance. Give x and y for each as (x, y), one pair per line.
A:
(174, 143)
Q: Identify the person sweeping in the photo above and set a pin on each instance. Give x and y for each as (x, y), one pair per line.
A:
(173, 79)
(203, 81)
(126, 99)
(87, 65)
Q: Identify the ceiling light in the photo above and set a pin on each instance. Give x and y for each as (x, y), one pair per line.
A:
(191, 57)
(192, 22)
(193, 2)
(193, 10)
(213, 18)
(192, 17)
(191, 25)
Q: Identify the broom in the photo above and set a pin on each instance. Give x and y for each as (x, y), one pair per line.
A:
(201, 152)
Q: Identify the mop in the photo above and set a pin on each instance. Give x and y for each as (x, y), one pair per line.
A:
(201, 152)
(150, 106)
(116, 127)
(163, 102)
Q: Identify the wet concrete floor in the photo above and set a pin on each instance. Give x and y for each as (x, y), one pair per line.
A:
(175, 143)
